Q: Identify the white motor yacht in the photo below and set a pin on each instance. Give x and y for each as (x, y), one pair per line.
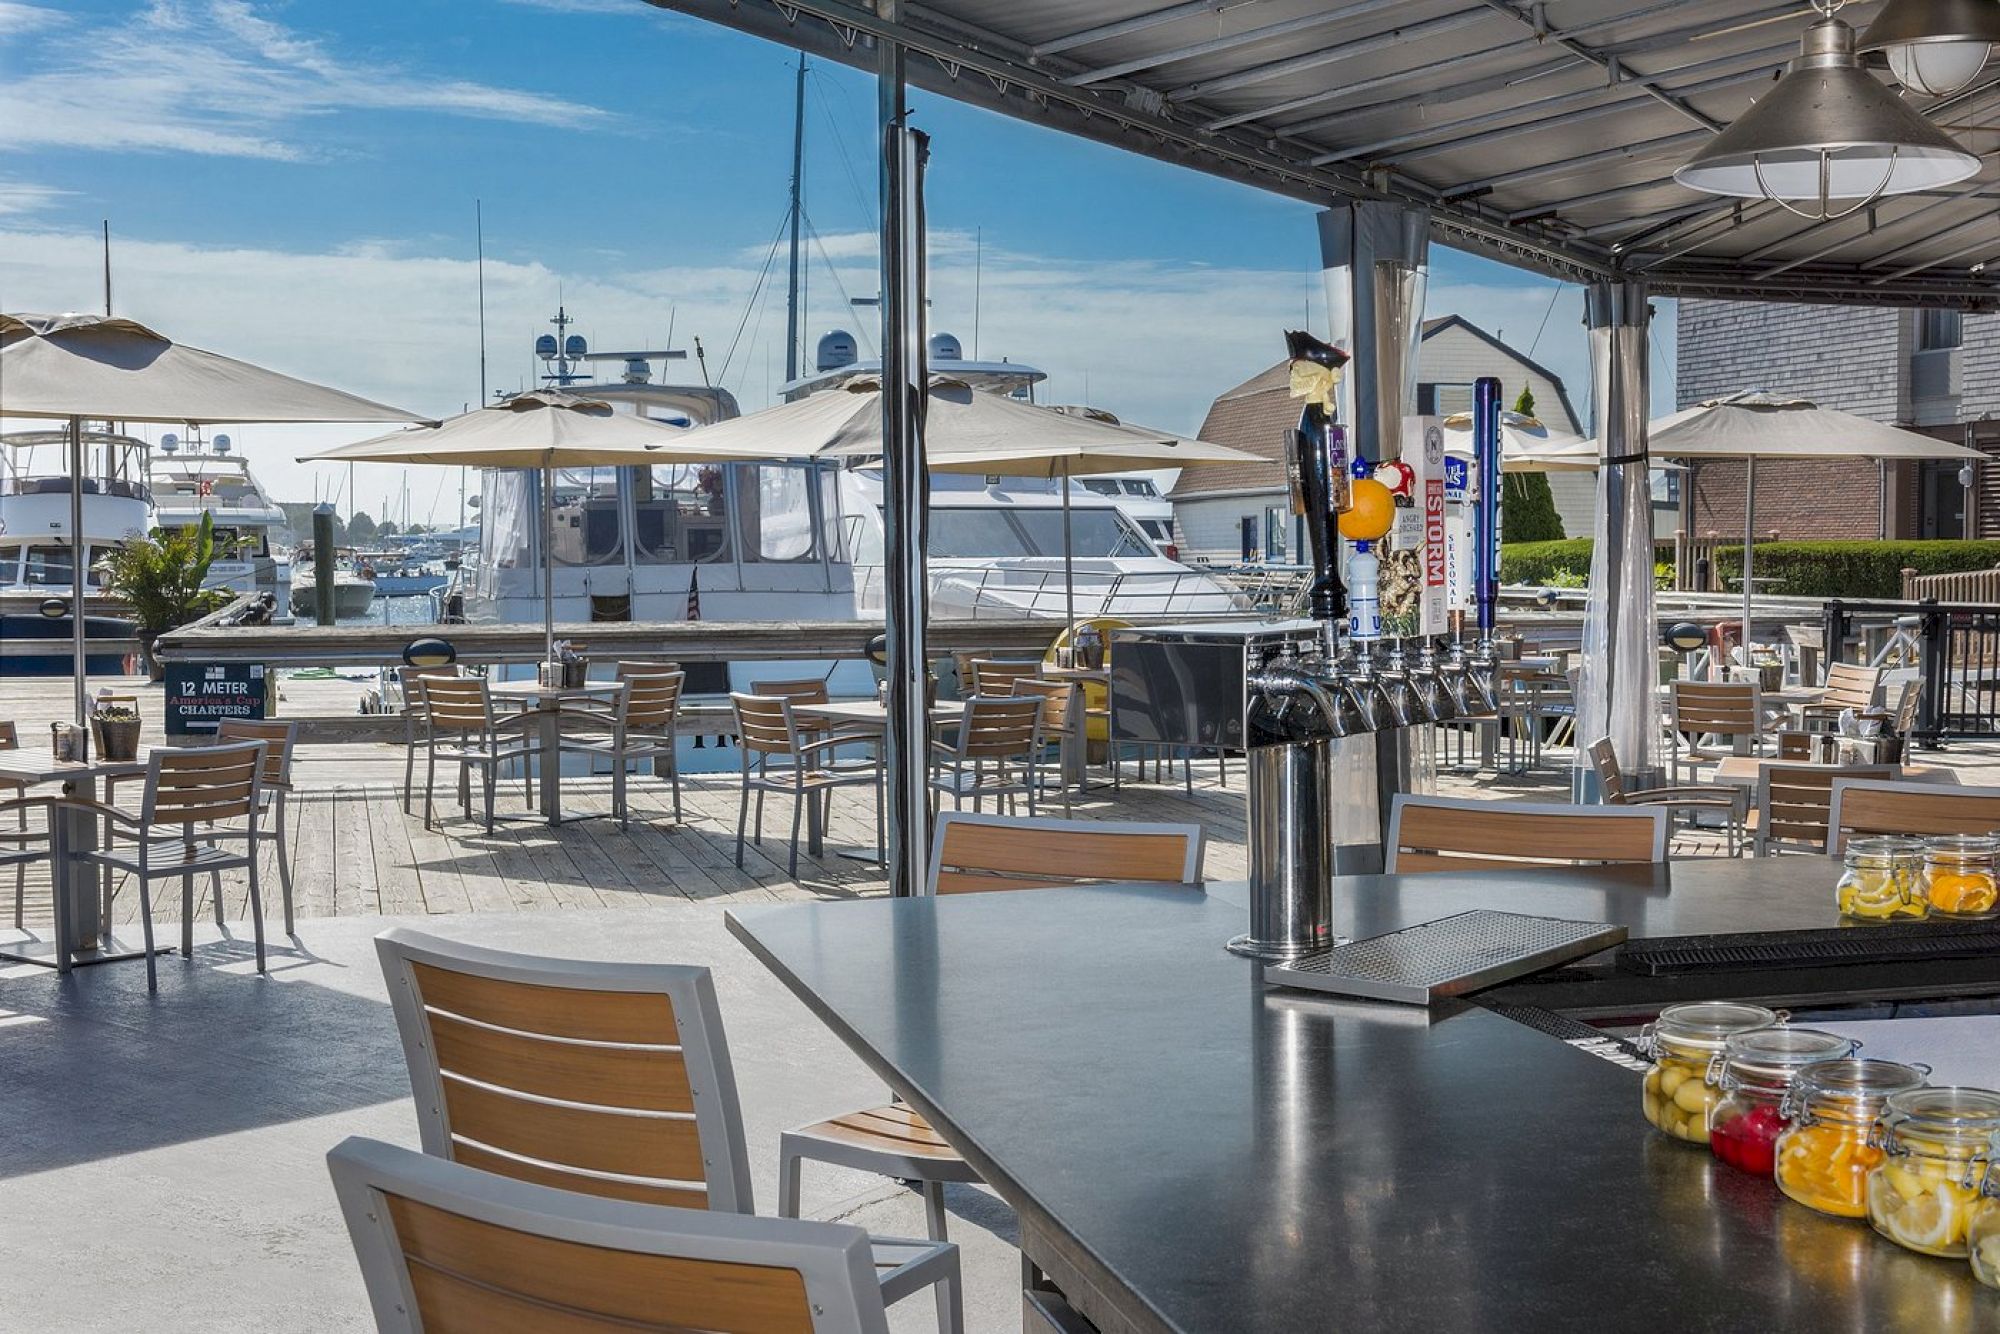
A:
(36, 548)
(192, 478)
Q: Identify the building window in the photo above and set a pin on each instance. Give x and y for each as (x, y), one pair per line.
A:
(1939, 329)
(1443, 400)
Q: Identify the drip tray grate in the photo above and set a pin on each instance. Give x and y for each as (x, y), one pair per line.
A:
(1451, 956)
(1665, 956)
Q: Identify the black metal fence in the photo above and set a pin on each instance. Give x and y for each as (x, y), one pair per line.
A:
(1954, 645)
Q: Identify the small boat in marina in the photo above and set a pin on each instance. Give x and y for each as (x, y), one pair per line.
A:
(353, 593)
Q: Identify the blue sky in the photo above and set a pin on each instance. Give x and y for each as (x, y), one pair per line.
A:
(293, 182)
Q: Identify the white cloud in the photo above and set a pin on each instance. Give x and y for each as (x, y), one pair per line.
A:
(18, 18)
(218, 77)
(1153, 342)
(18, 197)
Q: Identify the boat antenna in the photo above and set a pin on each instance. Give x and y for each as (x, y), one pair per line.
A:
(107, 268)
(978, 257)
(702, 357)
(479, 240)
(798, 190)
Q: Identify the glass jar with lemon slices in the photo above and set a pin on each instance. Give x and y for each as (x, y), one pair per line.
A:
(1880, 880)
(1683, 1041)
(1962, 875)
(1935, 1144)
(1982, 1234)
(1825, 1157)
(1755, 1076)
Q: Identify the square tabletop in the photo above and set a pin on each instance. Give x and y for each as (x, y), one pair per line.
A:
(535, 690)
(32, 764)
(1745, 770)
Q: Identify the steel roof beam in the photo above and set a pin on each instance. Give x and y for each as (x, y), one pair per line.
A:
(1663, 218)
(1126, 27)
(1360, 46)
(1229, 41)
(1491, 83)
(1959, 253)
(1650, 148)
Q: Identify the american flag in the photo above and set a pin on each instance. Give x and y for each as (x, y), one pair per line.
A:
(694, 595)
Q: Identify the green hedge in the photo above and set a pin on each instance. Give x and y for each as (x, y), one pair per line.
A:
(1806, 569)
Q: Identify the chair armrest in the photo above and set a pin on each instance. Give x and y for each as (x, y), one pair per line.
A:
(518, 722)
(96, 808)
(829, 743)
(26, 803)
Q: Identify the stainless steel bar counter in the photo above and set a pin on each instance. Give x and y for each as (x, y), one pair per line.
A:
(1188, 1150)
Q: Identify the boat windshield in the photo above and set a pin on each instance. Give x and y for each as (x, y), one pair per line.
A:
(995, 534)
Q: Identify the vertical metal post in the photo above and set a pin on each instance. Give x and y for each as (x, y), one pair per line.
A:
(1749, 549)
(798, 208)
(1486, 510)
(1935, 663)
(904, 488)
(1618, 691)
(79, 551)
(323, 576)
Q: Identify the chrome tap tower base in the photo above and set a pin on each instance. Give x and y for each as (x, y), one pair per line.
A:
(1291, 860)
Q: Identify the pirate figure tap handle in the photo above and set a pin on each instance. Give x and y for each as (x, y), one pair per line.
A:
(1316, 461)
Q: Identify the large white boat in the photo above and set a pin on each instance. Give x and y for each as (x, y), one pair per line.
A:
(192, 478)
(36, 548)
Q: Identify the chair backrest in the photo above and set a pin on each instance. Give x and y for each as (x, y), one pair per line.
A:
(1721, 708)
(628, 667)
(278, 739)
(1057, 697)
(407, 678)
(1794, 802)
(455, 703)
(993, 676)
(1795, 745)
(1000, 728)
(607, 1078)
(1464, 834)
(1610, 777)
(10, 737)
(762, 727)
(651, 698)
(1888, 806)
(198, 784)
(447, 1249)
(809, 691)
(972, 852)
(1850, 686)
(1903, 718)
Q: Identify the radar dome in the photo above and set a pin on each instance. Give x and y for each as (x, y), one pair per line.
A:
(946, 347)
(545, 347)
(222, 444)
(169, 443)
(837, 349)
(574, 346)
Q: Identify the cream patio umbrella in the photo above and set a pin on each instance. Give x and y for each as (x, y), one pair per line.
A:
(1754, 425)
(974, 431)
(78, 366)
(1527, 444)
(546, 429)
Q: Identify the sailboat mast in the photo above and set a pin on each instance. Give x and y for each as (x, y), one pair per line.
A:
(798, 184)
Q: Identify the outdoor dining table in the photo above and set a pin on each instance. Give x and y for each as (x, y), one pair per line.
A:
(1745, 770)
(1189, 1150)
(546, 702)
(78, 885)
(864, 718)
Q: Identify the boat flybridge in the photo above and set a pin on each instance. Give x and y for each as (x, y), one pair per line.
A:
(35, 542)
(194, 477)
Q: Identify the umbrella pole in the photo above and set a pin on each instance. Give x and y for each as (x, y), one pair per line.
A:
(78, 550)
(549, 563)
(1749, 542)
(1069, 566)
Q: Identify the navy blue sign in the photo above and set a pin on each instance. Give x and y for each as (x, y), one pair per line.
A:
(200, 695)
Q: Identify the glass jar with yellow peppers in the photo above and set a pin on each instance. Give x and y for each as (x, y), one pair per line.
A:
(1935, 1143)
(1982, 1234)
(1679, 1099)
(1826, 1155)
(1879, 880)
(1962, 874)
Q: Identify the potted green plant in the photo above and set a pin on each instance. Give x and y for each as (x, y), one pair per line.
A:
(160, 577)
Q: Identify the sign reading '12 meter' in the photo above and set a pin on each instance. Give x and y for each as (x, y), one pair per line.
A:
(200, 695)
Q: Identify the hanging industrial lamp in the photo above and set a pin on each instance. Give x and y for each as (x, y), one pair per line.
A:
(1827, 130)
(1934, 47)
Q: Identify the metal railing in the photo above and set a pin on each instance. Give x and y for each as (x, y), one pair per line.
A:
(1954, 645)
(1009, 594)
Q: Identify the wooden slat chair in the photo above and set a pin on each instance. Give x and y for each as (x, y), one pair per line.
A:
(640, 724)
(1062, 714)
(21, 847)
(604, 1079)
(1862, 806)
(1728, 802)
(448, 1249)
(1731, 712)
(279, 738)
(1466, 834)
(209, 787)
(10, 739)
(1848, 686)
(992, 755)
(413, 709)
(779, 755)
(971, 854)
(996, 676)
(1794, 803)
(461, 727)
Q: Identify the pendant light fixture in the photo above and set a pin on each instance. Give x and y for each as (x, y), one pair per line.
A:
(1934, 47)
(1827, 130)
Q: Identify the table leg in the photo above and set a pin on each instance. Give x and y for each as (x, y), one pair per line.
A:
(79, 937)
(548, 765)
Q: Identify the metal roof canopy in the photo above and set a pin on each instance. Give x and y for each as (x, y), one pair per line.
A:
(1540, 134)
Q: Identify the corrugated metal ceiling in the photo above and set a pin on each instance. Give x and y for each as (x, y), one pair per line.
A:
(1546, 134)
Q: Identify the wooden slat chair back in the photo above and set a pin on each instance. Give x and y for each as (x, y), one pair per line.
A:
(1861, 806)
(1464, 834)
(996, 728)
(204, 784)
(1794, 802)
(10, 736)
(993, 676)
(809, 691)
(1850, 686)
(278, 738)
(446, 1249)
(630, 667)
(1795, 745)
(652, 699)
(1903, 718)
(761, 726)
(606, 1078)
(408, 677)
(1610, 774)
(455, 703)
(1058, 698)
(1716, 708)
(972, 853)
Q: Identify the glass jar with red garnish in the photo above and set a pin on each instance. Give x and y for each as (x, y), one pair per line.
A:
(1754, 1073)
